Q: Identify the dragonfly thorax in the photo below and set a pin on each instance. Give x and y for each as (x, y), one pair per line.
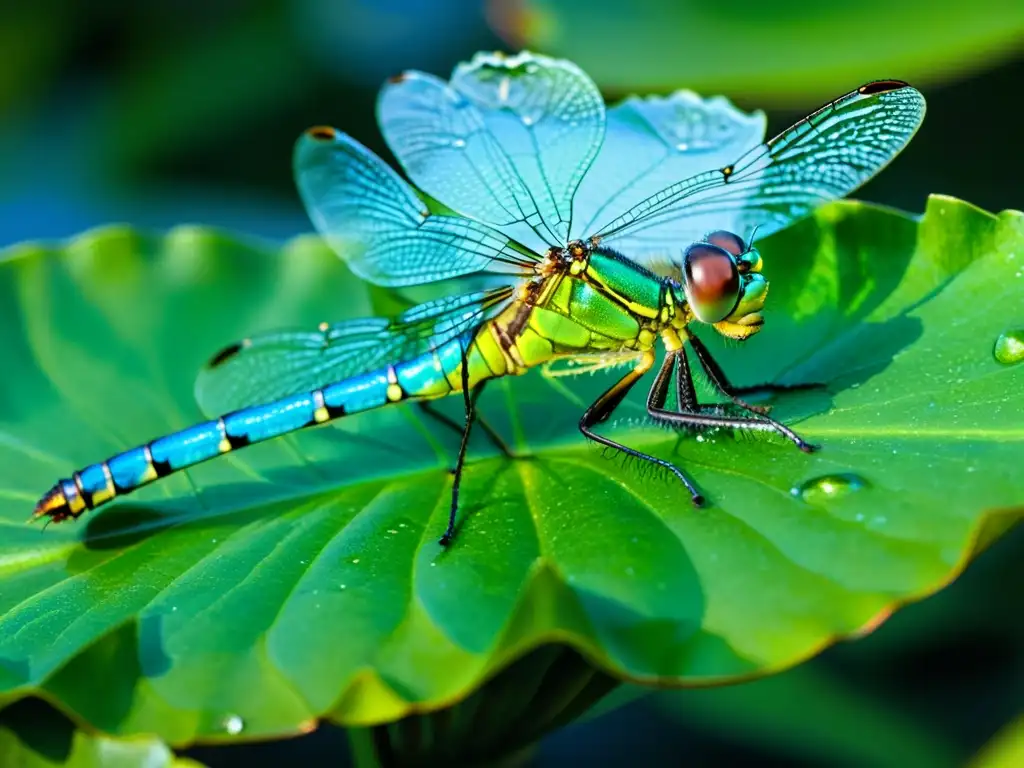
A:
(571, 259)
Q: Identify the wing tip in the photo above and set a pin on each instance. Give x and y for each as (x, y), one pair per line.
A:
(882, 86)
(322, 133)
(227, 353)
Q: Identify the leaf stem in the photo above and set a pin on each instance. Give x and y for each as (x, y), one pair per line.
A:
(363, 748)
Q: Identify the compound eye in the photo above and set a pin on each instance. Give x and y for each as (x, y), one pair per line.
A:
(727, 241)
(712, 281)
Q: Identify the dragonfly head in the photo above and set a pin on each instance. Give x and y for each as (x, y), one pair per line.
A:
(724, 286)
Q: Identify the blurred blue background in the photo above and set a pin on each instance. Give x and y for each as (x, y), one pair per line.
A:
(161, 113)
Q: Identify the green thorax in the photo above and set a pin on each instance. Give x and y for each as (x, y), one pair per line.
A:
(600, 304)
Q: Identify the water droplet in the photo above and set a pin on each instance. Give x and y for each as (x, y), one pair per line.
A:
(392, 531)
(233, 724)
(829, 487)
(700, 438)
(458, 143)
(527, 120)
(355, 561)
(682, 146)
(344, 586)
(1009, 347)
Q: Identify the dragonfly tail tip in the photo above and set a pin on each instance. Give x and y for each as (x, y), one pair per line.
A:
(53, 505)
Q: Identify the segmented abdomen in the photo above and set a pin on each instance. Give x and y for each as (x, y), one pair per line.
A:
(433, 374)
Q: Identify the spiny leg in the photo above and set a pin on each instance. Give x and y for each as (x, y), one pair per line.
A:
(499, 442)
(469, 401)
(606, 404)
(718, 378)
(686, 396)
(721, 382)
(690, 415)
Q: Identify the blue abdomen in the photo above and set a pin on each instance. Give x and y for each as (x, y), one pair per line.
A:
(433, 374)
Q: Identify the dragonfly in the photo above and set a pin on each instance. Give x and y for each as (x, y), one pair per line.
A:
(557, 230)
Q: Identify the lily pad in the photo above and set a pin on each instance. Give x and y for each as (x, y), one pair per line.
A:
(33, 735)
(302, 578)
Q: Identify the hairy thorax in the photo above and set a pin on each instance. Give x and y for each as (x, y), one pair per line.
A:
(588, 302)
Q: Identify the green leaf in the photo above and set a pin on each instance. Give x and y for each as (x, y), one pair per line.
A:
(784, 52)
(33, 735)
(301, 578)
(1005, 749)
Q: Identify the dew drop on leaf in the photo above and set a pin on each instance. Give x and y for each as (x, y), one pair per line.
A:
(1009, 348)
(233, 724)
(820, 490)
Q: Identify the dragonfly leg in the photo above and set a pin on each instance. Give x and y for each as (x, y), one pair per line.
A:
(690, 413)
(721, 382)
(718, 378)
(606, 404)
(499, 442)
(469, 401)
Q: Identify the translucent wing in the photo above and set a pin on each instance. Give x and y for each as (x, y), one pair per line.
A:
(651, 143)
(287, 362)
(506, 141)
(823, 157)
(376, 222)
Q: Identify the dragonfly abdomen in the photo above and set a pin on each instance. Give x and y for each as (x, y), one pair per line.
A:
(427, 376)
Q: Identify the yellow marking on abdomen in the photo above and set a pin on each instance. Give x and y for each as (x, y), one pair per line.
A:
(223, 446)
(77, 503)
(320, 413)
(150, 473)
(394, 392)
(107, 492)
